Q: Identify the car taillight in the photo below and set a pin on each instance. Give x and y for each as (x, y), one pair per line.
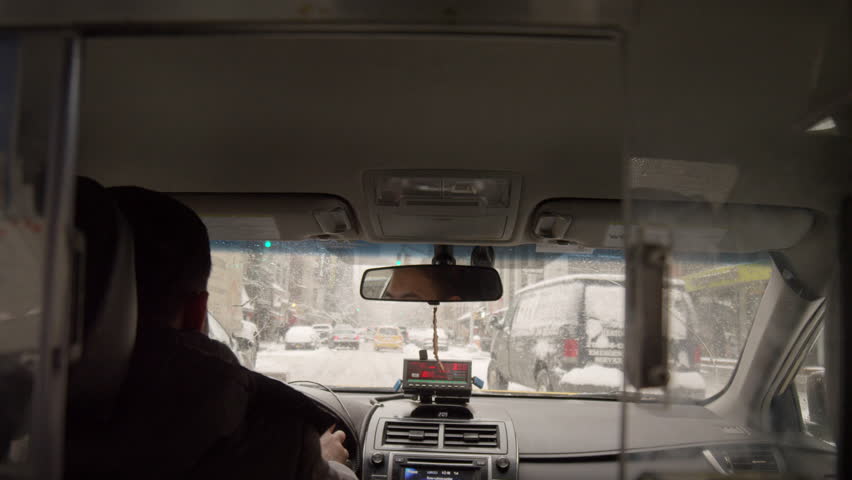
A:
(696, 355)
(357, 337)
(336, 337)
(571, 348)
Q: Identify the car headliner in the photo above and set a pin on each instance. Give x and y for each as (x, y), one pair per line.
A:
(556, 94)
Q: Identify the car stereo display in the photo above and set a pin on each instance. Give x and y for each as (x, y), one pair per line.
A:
(410, 473)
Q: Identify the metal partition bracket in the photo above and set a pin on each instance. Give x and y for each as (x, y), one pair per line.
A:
(646, 322)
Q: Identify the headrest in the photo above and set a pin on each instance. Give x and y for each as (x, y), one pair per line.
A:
(109, 303)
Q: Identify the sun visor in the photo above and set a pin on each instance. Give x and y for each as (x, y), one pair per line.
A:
(732, 228)
(273, 216)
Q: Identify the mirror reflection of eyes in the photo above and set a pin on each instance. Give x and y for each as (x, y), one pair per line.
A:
(432, 283)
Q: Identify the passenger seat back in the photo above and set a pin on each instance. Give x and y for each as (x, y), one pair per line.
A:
(109, 305)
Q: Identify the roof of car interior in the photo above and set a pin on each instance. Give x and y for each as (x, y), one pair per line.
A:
(312, 108)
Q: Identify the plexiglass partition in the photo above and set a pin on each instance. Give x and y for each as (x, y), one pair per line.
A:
(725, 301)
(730, 220)
(37, 111)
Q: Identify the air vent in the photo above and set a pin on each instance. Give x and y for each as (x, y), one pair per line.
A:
(398, 433)
(486, 436)
(744, 459)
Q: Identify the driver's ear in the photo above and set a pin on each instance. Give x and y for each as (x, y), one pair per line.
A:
(195, 312)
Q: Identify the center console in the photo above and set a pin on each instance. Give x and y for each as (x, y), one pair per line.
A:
(433, 434)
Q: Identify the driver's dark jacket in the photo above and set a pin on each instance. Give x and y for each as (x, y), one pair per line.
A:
(189, 410)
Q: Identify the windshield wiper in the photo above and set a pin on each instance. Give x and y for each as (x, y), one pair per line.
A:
(618, 395)
(610, 396)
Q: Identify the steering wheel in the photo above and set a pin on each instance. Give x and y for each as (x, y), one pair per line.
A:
(343, 420)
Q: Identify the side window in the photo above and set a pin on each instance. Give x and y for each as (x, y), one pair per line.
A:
(36, 226)
(810, 392)
(22, 252)
(522, 324)
(509, 316)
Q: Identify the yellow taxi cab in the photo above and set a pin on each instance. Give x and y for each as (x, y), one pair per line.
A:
(388, 338)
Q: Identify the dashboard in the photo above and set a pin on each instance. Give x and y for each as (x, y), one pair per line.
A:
(558, 438)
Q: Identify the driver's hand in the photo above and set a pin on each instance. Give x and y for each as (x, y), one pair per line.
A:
(331, 443)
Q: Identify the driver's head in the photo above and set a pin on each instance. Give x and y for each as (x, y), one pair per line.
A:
(172, 259)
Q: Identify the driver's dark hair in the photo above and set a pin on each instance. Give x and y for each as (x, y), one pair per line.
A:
(172, 252)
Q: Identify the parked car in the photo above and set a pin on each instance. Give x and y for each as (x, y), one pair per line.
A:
(388, 338)
(577, 343)
(324, 331)
(422, 338)
(301, 337)
(345, 337)
(246, 340)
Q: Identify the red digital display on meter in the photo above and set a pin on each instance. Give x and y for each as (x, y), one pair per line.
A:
(427, 373)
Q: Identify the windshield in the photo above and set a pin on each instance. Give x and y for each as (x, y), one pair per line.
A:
(216, 331)
(558, 328)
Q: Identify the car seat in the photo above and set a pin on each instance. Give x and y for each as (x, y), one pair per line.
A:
(109, 317)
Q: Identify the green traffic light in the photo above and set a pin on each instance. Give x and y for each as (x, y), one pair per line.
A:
(267, 244)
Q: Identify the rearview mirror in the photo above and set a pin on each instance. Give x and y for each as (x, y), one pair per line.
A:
(432, 283)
